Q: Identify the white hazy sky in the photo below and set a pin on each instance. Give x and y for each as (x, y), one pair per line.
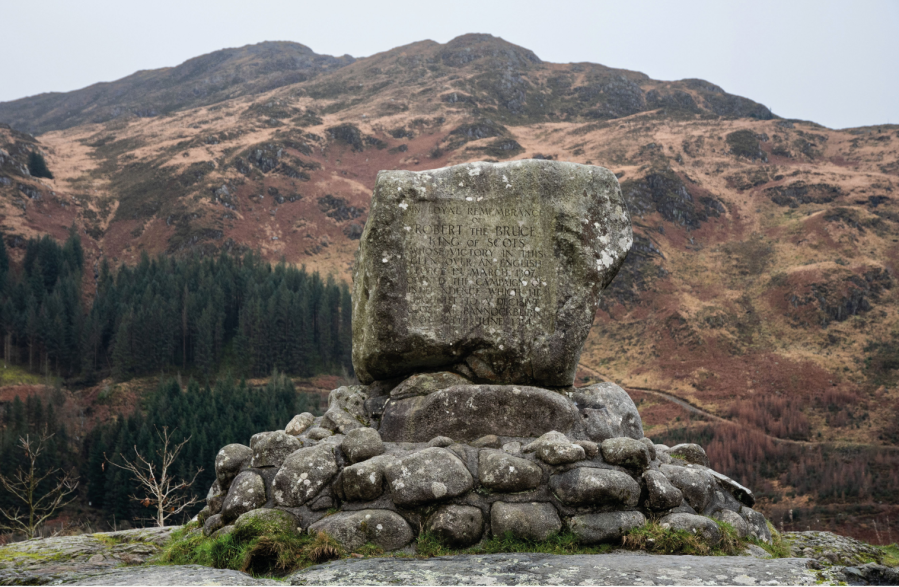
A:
(836, 63)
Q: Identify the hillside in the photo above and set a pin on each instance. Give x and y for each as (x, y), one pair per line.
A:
(762, 283)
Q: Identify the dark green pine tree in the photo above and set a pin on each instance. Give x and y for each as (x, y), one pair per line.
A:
(37, 165)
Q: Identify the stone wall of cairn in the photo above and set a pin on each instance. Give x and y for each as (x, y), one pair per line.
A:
(598, 478)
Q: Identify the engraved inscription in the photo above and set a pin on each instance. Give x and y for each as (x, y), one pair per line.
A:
(473, 267)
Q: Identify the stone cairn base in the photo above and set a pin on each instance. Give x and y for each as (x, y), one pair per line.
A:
(465, 461)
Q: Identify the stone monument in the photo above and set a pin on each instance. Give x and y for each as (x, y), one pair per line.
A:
(474, 290)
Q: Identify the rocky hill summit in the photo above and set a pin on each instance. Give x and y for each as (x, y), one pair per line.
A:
(201, 81)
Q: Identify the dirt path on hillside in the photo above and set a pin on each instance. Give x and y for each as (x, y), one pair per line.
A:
(667, 395)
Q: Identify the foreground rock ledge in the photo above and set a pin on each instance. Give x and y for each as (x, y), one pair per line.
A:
(493, 269)
(546, 569)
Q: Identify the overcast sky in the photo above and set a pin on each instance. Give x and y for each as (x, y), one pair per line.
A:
(836, 63)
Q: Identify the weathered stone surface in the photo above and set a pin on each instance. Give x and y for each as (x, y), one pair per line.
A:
(299, 424)
(559, 453)
(468, 412)
(349, 399)
(591, 449)
(553, 436)
(569, 569)
(697, 485)
(734, 519)
(170, 575)
(609, 412)
(690, 453)
(457, 525)
(589, 486)
(228, 463)
(427, 476)
(353, 530)
(427, 383)
(531, 521)
(625, 452)
(361, 444)
(216, 501)
(338, 421)
(441, 441)
(303, 475)
(500, 471)
(694, 524)
(247, 493)
(740, 493)
(604, 527)
(212, 524)
(318, 433)
(513, 448)
(488, 441)
(538, 240)
(758, 526)
(662, 495)
(650, 446)
(271, 518)
(271, 448)
(365, 481)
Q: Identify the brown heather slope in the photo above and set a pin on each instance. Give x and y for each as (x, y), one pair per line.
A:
(762, 283)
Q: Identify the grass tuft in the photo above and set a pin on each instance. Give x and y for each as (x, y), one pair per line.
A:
(324, 548)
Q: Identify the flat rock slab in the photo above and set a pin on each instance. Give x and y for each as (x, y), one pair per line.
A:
(47, 560)
(493, 268)
(546, 569)
(170, 575)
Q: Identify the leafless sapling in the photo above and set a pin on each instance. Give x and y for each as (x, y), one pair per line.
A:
(163, 491)
(38, 506)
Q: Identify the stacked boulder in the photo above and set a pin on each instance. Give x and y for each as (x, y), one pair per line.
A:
(474, 290)
(336, 474)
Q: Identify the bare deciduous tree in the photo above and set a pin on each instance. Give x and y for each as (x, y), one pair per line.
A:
(23, 485)
(163, 491)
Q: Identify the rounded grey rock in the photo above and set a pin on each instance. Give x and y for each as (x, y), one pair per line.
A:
(591, 449)
(299, 424)
(212, 524)
(228, 463)
(383, 528)
(441, 442)
(365, 481)
(690, 453)
(604, 527)
(651, 446)
(502, 472)
(559, 453)
(608, 412)
(247, 493)
(488, 441)
(426, 384)
(587, 486)
(303, 474)
(279, 519)
(458, 526)
(697, 485)
(734, 519)
(662, 495)
(694, 524)
(530, 521)
(626, 452)
(361, 444)
(271, 448)
(758, 526)
(427, 476)
(318, 433)
(468, 412)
